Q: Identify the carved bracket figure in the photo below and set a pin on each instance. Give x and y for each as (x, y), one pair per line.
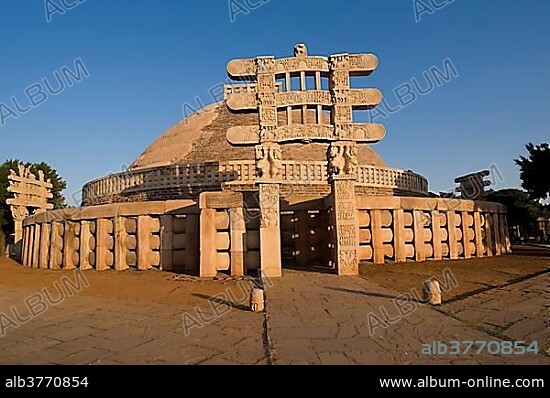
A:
(342, 158)
(269, 161)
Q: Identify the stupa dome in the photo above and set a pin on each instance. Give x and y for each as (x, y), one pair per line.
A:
(202, 138)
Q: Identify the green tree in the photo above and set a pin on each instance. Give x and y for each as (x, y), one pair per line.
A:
(523, 211)
(535, 171)
(6, 221)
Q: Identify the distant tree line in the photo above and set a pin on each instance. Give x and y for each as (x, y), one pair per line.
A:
(528, 210)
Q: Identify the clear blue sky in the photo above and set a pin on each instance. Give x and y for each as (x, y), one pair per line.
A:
(147, 58)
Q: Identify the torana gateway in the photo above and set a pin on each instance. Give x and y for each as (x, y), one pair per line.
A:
(277, 175)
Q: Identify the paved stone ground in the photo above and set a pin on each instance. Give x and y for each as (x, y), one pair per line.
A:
(518, 311)
(324, 319)
(311, 318)
(84, 330)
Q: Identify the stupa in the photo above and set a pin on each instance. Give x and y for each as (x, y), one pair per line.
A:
(277, 175)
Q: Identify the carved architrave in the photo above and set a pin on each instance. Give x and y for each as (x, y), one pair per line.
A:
(362, 64)
(242, 68)
(339, 61)
(253, 135)
(367, 132)
(239, 101)
(368, 97)
(267, 97)
(242, 101)
(344, 132)
(307, 64)
(297, 98)
(358, 64)
(244, 135)
(265, 65)
(268, 134)
(305, 132)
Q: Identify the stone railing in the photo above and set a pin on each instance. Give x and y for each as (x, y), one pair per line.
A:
(206, 176)
(384, 177)
(143, 236)
(418, 229)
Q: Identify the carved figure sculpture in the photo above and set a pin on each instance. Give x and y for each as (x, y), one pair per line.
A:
(350, 156)
(275, 161)
(336, 160)
(262, 163)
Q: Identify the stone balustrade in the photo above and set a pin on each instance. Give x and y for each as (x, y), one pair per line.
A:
(419, 229)
(195, 177)
(167, 235)
(385, 177)
(141, 236)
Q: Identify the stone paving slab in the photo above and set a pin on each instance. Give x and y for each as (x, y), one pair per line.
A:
(337, 331)
(84, 330)
(311, 318)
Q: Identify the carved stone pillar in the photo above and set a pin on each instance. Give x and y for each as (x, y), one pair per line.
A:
(341, 97)
(19, 214)
(238, 241)
(269, 169)
(345, 225)
(343, 170)
(208, 253)
(270, 231)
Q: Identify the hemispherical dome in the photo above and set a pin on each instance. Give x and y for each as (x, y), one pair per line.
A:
(202, 138)
(194, 156)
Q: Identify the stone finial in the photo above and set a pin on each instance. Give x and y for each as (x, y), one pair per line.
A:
(300, 50)
(432, 292)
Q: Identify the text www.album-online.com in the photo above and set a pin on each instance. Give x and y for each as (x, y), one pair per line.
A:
(485, 382)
